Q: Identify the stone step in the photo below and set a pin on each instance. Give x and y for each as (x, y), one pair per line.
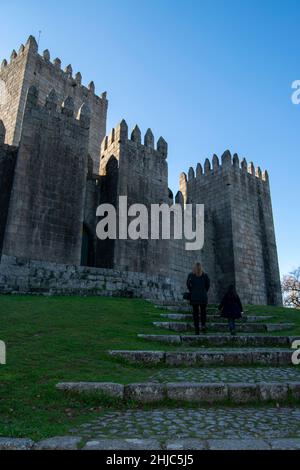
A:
(189, 444)
(138, 443)
(217, 318)
(219, 340)
(223, 327)
(208, 357)
(179, 308)
(192, 392)
(177, 303)
(185, 308)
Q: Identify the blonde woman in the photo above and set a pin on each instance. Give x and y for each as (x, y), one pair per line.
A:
(198, 284)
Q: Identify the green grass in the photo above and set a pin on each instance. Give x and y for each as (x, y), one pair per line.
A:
(54, 339)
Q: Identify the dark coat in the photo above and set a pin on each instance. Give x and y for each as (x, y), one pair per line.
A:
(198, 286)
(231, 307)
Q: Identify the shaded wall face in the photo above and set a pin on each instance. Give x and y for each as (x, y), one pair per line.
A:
(46, 207)
(105, 249)
(143, 178)
(256, 263)
(141, 175)
(212, 190)
(240, 245)
(8, 157)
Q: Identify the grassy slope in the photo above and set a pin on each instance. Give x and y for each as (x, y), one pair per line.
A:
(52, 339)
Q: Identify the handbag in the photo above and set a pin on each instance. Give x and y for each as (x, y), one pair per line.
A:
(187, 296)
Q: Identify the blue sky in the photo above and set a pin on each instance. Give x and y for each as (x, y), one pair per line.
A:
(207, 75)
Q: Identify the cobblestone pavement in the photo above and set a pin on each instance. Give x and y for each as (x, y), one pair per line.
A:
(228, 374)
(208, 423)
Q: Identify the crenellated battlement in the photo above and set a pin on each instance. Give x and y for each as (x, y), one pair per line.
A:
(228, 163)
(120, 135)
(52, 106)
(31, 46)
(28, 67)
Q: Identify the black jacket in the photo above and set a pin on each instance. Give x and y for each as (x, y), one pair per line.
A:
(198, 287)
(231, 307)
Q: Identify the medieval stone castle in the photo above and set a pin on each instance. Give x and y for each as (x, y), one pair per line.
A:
(57, 165)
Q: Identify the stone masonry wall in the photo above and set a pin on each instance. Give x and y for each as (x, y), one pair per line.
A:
(255, 252)
(46, 207)
(209, 186)
(11, 87)
(29, 68)
(8, 155)
(21, 276)
(240, 246)
(140, 172)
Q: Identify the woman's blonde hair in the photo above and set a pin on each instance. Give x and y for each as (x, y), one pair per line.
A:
(197, 269)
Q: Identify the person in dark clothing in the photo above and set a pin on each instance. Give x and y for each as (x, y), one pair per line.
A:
(198, 284)
(231, 308)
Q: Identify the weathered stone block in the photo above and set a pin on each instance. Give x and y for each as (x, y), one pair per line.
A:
(171, 339)
(294, 389)
(9, 443)
(238, 444)
(210, 358)
(110, 389)
(264, 358)
(145, 392)
(237, 358)
(243, 392)
(181, 358)
(197, 392)
(145, 357)
(186, 444)
(284, 357)
(273, 391)
(285, 444)
(59, 443)
(123, 444)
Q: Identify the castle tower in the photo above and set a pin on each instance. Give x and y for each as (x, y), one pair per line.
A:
(27, 68)
(138, 170)
(243, 247)
(46, 204)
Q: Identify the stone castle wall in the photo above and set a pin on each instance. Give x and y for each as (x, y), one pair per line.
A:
(8, 156)
(28, 68)
(21, 276)
(241, 251)
(139, 171)
(46, 206)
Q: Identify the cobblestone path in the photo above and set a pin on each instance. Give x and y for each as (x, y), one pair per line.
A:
(228, 374)
(206, 423)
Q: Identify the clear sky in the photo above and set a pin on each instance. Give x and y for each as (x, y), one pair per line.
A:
(207, 75)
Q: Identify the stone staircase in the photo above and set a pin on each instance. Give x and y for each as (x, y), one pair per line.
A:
(216, 372)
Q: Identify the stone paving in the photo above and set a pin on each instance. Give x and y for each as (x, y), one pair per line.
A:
(218, 426)
(228, 374)
(202, 423)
